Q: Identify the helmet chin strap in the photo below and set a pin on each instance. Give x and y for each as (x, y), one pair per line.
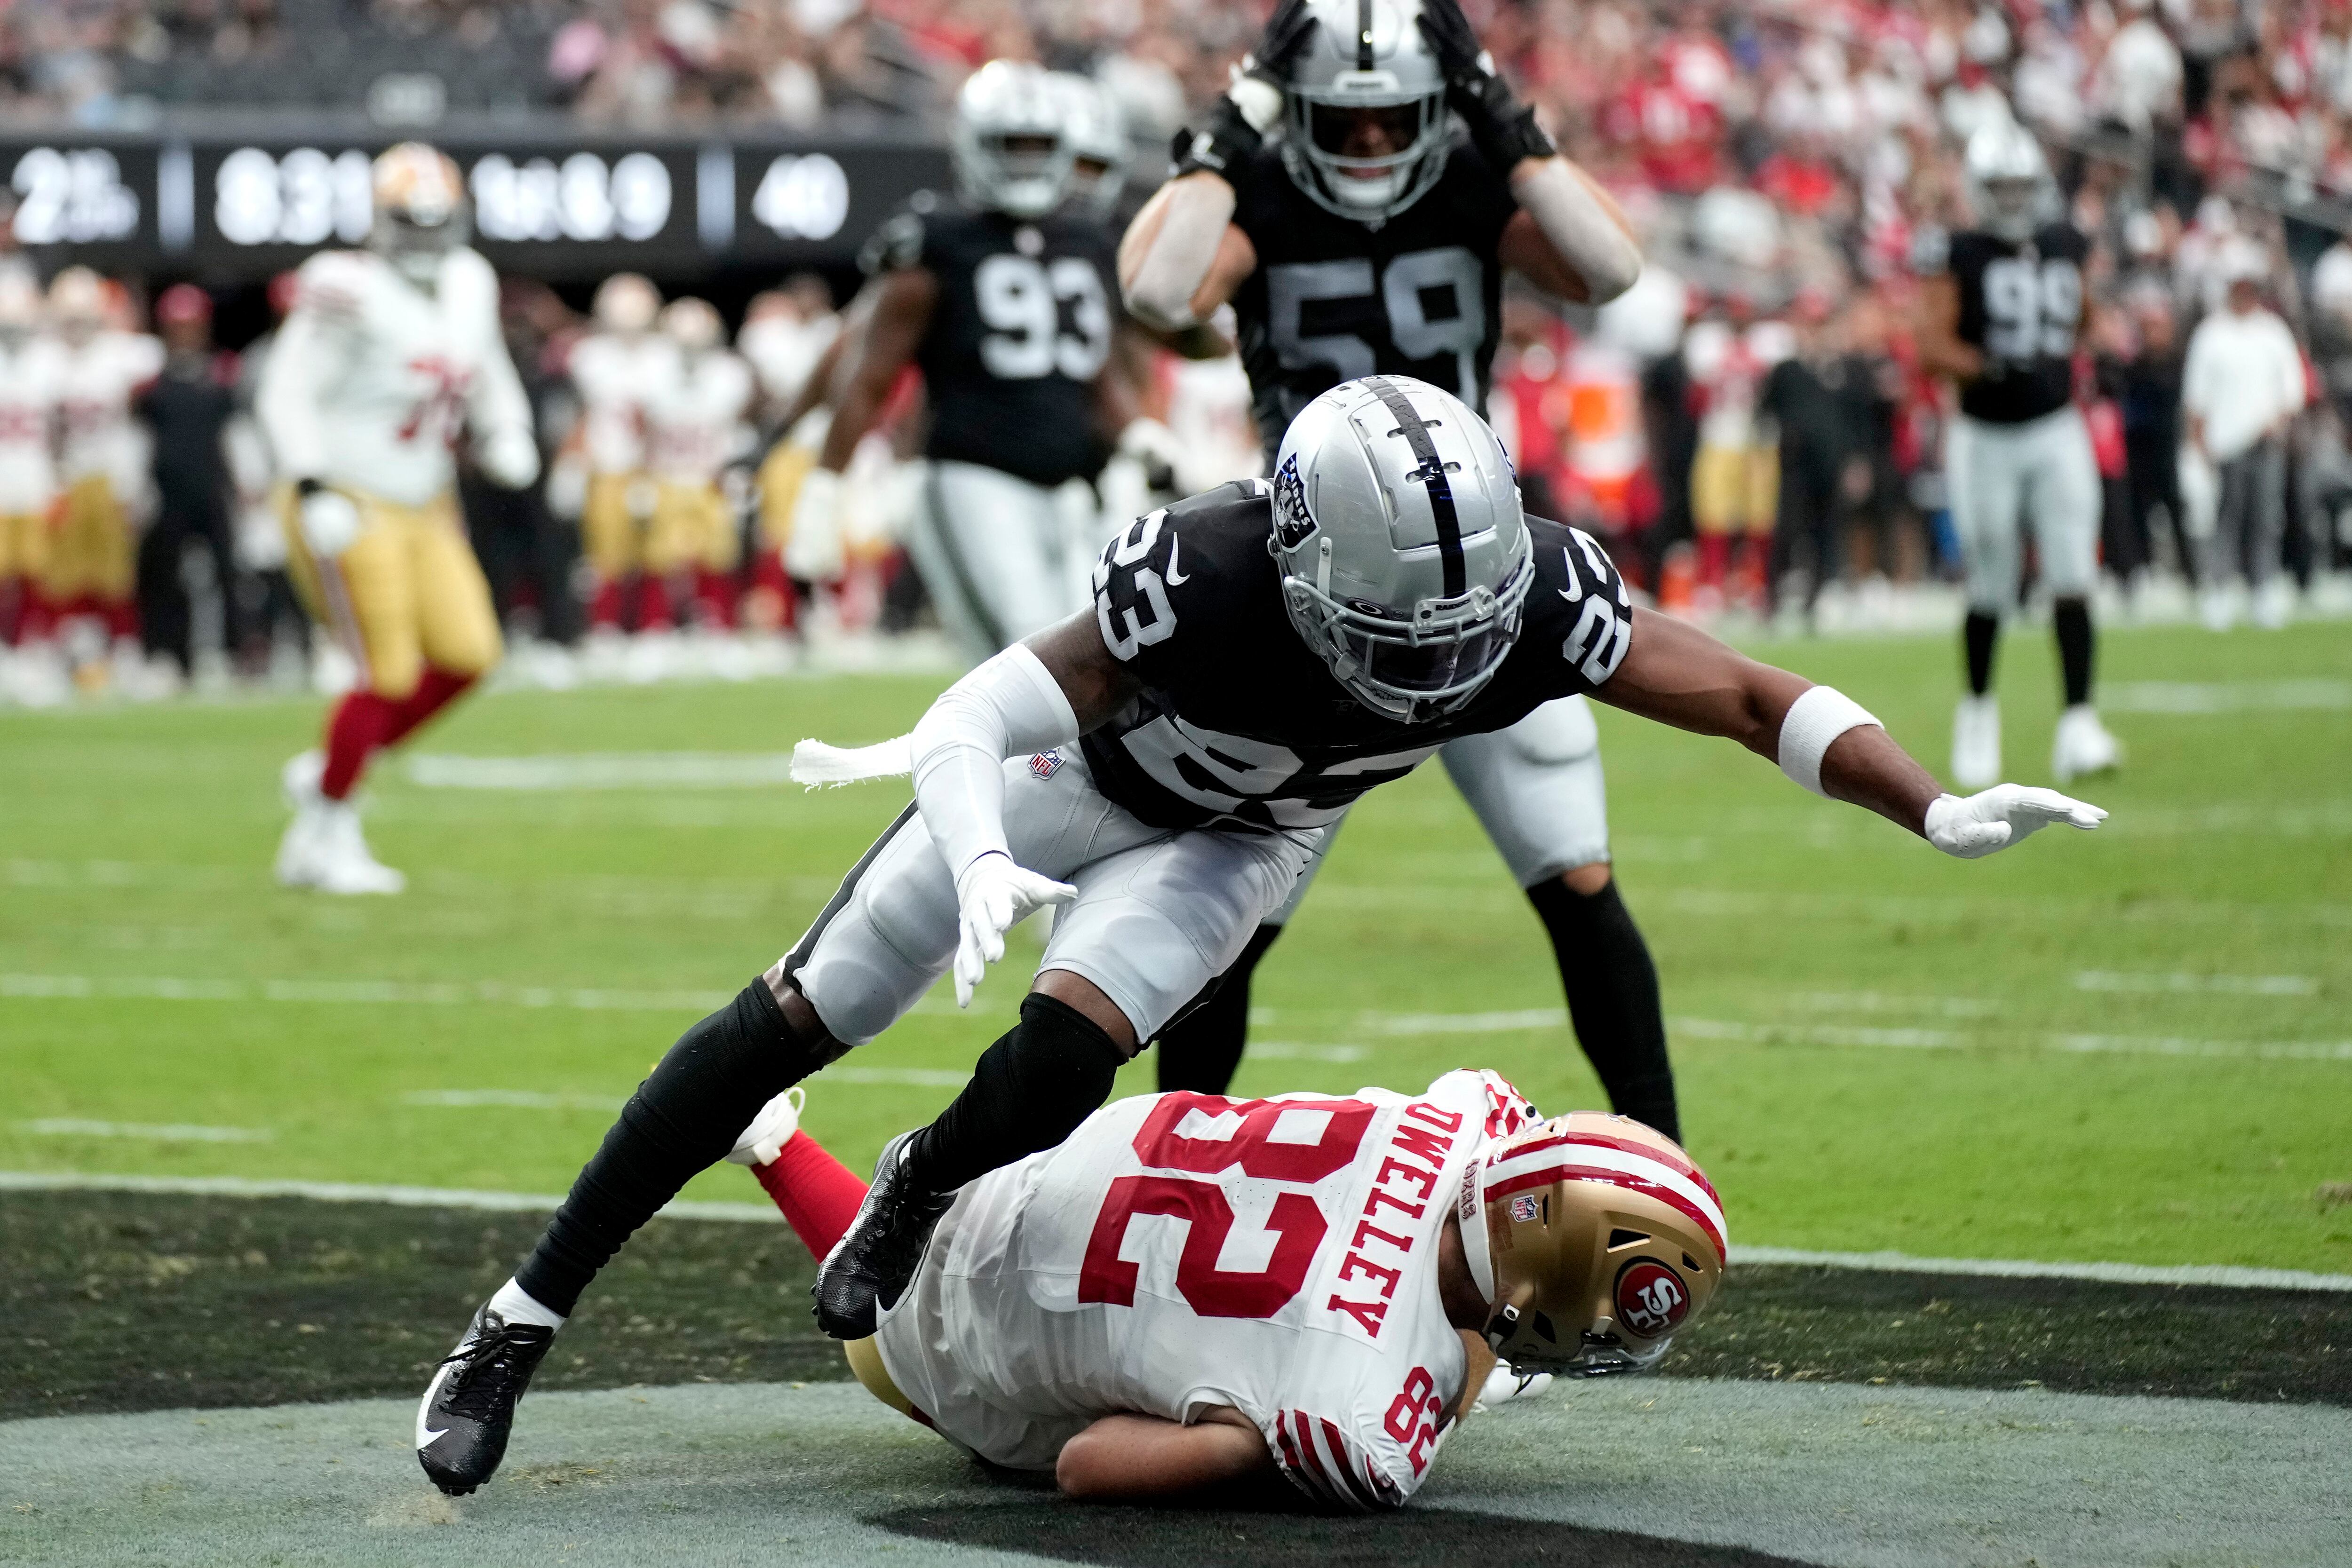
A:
(1470, 1214)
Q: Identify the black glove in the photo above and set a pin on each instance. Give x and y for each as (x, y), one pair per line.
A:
(1230, 137)
(1503, 129)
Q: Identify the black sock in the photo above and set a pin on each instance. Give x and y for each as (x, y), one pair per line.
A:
(685, 1116)
(1980, 632)
(1612, 998)
(2071, 618)
(1028, 1092)
(1202, 1045)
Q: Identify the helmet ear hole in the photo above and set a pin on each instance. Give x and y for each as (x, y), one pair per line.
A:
(1627, 1238)
(1690, 1262)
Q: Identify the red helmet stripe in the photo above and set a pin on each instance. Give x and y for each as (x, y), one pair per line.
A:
(1672, 1159)
(1664, 1193)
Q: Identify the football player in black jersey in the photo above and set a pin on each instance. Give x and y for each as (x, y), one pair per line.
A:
(1366, 237)
(1003, 296)
(2003, 309)
(1162, 766)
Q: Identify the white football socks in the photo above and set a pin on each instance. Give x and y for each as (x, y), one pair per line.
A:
(516, 1305)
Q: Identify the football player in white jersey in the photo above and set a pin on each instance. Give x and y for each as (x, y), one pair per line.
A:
(1078, 1312)
(612, 369)
(30, 371)
(788, 335)
(102, 460)
(695, 414)
(390, 357)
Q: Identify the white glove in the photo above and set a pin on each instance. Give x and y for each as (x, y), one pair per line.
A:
(814, 552)
(330, 523)
(508, 458)
(1999, 816)
(993, 896)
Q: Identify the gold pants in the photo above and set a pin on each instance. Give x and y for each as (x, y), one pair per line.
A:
(90, 553)
(24, 544)
(611, 529)
(692, 526)
(408, 592)
(1734, 489)
(865, 1365)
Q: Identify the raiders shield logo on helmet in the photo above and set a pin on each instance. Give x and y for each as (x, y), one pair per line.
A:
(1651, 1299)
(1292, 522)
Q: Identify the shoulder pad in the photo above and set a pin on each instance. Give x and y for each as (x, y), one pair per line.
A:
(333, 283)
(898, 242)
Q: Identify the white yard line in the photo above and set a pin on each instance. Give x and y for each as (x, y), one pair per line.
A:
(145, 1132)
(604, 770)
(523, 1202)
(367, 993)
(2225, 697)
(1958, 1039)
(2227, 985)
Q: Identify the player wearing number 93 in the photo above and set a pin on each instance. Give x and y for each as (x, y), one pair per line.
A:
(1330, 202)
(1001, 296)
(390, 357)
(2004, 310)
(1162, 766)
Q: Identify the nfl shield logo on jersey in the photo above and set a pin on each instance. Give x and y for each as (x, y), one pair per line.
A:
(1046, 764)
(1651, 1299)
(1292, 522)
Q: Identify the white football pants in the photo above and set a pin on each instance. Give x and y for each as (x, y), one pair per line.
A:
(2000, 476)
(1158, 914)
(1537, 787)
(1003, 558)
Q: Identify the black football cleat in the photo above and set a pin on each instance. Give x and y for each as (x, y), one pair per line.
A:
(470, 1405)
(872, 1264)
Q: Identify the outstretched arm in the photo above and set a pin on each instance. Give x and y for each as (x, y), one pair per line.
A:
(902, 308)
(1122, 1458)
(1677, 674)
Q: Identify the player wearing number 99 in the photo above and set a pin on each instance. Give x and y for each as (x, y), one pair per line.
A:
(1097, 1331)
(389, 358)
(2002, 312)
(1363, 238)
(1003, 301)
(1257, 658)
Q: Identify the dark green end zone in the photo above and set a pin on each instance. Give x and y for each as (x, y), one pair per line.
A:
(134, 1301)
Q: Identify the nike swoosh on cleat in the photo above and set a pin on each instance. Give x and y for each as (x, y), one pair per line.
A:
(426, 1435)
(1175, 579)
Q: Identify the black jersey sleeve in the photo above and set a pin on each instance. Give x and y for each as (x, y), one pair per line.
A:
(1166, 573)
(1580, 616)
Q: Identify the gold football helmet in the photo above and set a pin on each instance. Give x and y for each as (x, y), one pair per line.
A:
(420, 209)
(626, 303)
(1595, 1238)
(693, 325)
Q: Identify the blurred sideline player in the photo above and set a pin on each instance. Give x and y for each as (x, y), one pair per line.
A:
(2002, 314)
(1004, 298)
(612, 369)
(389, 356)
(1366, 240)
(1089, 1330)
(695, 417)
(785, 336)
(101, 466)
(30, 374)
(1735, 476)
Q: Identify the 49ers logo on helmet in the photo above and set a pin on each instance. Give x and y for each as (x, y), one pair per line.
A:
(1651, 1299)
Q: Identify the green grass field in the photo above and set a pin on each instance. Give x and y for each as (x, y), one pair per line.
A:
(2134, 1046)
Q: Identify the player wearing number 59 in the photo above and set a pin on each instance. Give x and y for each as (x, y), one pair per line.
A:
(1257, 657)
(2002, 309)
(391, 358)
(1331, 202)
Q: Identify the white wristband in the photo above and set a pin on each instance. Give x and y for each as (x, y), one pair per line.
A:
(1814, 720)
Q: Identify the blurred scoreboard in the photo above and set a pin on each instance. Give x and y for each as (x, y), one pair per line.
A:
(553, 206)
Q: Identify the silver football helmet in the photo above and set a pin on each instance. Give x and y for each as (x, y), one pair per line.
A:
(1368, 131)
(1099, 151)
(1011, 147)
(2009, 180)
(1405, 556)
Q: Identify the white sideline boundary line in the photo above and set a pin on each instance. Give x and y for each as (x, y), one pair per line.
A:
(2227, 1276)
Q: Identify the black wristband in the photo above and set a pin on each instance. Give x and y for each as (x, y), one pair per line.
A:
(1229, 140)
